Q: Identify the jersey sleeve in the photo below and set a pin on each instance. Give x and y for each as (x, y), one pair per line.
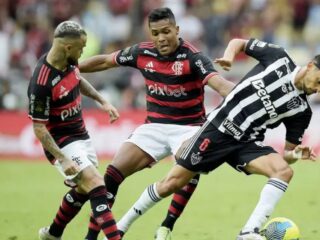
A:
(127, 56)
(297, 125)
(202, 67)
(263, 51)
(39, 103)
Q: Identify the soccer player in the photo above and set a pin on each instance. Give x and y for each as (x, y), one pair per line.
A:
(275, 91)
(55, 108)
(175, 74)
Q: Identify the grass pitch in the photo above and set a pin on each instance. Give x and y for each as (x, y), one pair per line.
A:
(31, 192)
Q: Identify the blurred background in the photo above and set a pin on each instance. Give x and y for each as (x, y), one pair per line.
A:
(26, 29)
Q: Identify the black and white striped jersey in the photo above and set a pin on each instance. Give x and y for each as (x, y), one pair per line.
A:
(264, 98)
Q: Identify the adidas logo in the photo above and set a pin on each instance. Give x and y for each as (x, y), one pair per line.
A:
(62, 89)
(279, 73)
(149, 67)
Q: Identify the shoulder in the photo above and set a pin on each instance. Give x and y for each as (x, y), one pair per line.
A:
(190, 47)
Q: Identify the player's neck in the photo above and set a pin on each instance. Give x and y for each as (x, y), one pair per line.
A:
(57, 60)
(298, 81)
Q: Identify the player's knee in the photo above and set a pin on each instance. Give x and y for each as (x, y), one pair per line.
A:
(285, 173)
(168, 186)
(90, 180)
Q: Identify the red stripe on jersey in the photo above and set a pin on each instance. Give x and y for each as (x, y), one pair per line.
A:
(43, 76)
(190, 46)
(65, 86)
(205, 81)
(175, 68)
(146, 45)
(159, 115)
(40, 74)
(172, 87)
(184, 104)
(57, 110)
(45, 79)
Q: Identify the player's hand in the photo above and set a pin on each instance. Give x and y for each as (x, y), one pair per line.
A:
(111, 110)
(304, 153)
(69, 167)
(224, 63)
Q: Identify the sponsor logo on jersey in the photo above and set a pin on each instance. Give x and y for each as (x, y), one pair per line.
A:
(199, 64)
(264, 97)
(232, 128)
(181, 55)
(56, 80)
(177, 68)
(149, 67)
(147, 52)
(195, 158)
(72, 111)
(257, 43)
(124, 59)
(166, 90)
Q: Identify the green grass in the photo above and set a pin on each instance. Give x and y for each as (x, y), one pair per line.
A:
(31, 193)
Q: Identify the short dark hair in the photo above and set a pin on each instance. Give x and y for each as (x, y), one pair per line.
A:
(316, 61)
(69, 29)
(160, 14)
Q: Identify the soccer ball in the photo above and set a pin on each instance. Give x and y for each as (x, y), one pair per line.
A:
(280, 228)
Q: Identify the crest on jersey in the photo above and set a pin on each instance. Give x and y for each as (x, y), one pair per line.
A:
(177, 68)
(195, 158)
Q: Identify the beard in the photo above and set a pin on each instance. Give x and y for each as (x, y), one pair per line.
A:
(72, 61)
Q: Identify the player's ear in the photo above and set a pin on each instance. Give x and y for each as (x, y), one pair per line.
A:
(178, 29)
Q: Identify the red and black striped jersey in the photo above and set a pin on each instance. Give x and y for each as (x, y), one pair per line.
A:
(55, 99)
(174, 83)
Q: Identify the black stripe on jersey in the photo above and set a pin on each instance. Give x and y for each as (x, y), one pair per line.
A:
(184, 121)
(169, 79)
(193, 94)
(153, 107)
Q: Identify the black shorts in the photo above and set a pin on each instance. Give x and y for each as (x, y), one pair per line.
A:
(209, 148)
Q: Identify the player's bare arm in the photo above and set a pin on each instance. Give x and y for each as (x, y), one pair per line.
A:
(234, 47)
(88, 90)
(294, 152)
(98, 63)
(49, 144)
(221, 85)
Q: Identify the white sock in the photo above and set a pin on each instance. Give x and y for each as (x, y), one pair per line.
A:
(269, 197)
(147, 200)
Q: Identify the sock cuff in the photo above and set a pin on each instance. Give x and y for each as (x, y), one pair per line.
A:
(278, 183)
(153, 193)
(98, 191)
(115, 173)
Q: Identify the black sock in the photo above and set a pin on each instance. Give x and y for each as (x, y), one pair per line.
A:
(69, 208)
(112, 178)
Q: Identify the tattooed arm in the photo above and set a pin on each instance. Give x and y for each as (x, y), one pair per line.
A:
(88, 90)
(50, 145)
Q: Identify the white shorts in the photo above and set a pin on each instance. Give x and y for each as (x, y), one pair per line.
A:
(81, 152)
(161, 140)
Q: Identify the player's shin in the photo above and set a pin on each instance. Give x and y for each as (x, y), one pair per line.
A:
(102, 213)
(69, 208)
(146, 201)
(269, 197)
(112, 178)
(179, 202)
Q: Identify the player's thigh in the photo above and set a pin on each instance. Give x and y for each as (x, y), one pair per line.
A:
(130, 159)
(80, 152)
(263, 160)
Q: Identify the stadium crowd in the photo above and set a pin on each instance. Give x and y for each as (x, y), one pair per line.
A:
(26, 28)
